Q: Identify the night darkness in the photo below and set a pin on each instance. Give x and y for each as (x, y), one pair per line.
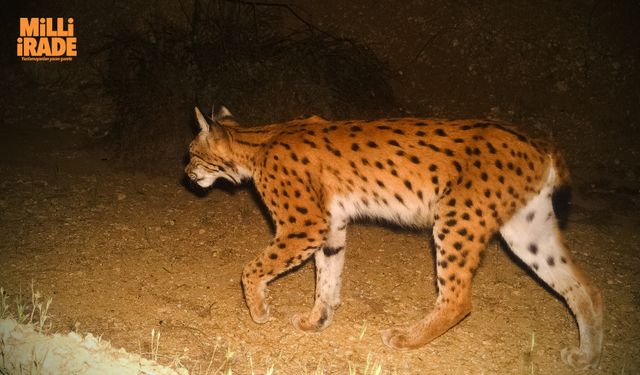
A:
(97, 212)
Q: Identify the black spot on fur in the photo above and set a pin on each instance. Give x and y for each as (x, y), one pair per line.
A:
(330, 251)
(399, 198)
(491, 148)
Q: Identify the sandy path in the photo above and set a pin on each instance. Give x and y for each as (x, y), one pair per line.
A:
(123, 253)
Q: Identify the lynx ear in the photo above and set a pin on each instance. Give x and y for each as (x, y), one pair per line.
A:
(204, 125)
(215, 130)
(223, 112)
(222, 117)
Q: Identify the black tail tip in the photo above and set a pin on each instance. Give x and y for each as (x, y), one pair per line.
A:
(561, 200)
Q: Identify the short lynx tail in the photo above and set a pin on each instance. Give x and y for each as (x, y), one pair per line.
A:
(561, 198)
(560, 165)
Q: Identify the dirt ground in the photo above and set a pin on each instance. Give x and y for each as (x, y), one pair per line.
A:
(123, 253)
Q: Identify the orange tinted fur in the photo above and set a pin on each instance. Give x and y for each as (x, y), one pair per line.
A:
(465, 179)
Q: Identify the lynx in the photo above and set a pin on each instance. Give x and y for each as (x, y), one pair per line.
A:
(464, 179)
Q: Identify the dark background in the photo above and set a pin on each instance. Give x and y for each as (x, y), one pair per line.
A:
(567, 69)
(93, 211)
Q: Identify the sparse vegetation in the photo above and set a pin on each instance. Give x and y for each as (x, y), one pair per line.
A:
(237, 53)
(565, 67)
(34, 311)
(26, 346)
(31, 316)
(371, 367)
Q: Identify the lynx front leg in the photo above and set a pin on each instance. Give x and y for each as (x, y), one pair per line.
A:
(329, 265)
(291, 247)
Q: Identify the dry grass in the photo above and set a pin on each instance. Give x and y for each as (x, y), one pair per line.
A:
(33, 311)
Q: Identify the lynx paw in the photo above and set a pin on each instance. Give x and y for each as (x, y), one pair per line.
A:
(307, 323)
(395, 338)
(578, 359)
(260, 314)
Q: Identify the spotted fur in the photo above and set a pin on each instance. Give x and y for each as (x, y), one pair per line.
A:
(465, 179)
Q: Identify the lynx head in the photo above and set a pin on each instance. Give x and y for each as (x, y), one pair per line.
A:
(209, 153)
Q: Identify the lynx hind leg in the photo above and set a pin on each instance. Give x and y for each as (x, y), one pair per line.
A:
(459, 240)
(329, 265)
(533, 236)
